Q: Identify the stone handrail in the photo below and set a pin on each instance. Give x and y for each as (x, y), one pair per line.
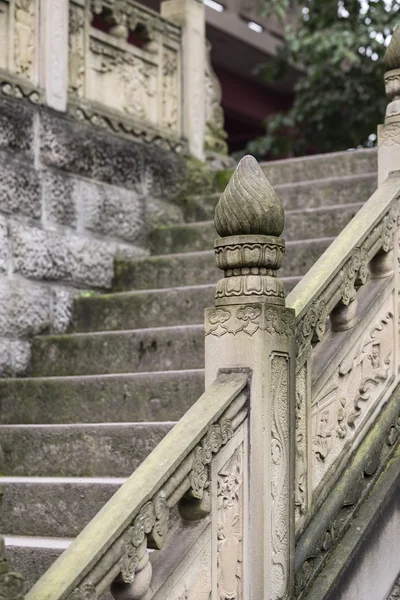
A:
(112, 549)
(331, 283)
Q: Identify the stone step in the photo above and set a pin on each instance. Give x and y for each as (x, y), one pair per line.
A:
(138, 350)
(138, 397)
(329, 191)
(76, 450)
(53, 506)
(150, 308)
(33, 556)
(191, 268)
(299, 225)
(320, 166)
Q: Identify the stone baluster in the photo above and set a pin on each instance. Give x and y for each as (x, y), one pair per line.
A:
(389, 133)
(250, 328)
(190, 15)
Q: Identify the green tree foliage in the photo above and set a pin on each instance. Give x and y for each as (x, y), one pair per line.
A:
(340, 99)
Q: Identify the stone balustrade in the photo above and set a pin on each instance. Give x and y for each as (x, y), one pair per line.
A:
(117, 65)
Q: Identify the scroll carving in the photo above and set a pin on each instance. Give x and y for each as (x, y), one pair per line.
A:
(301, 443)
(280, 475)
(218, 435)
(230, 528)
(249, 319)
(86, 592)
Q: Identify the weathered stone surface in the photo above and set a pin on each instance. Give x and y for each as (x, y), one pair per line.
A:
(132, 310)
(161, 213)
(88, 151)
(14, 357)
(301, 195)
(335, 164)
(113, 211)
(19, 188)
(160, 349)
(48, 255)
(299, 225)
(33, 560)
(62, 302)
(59, 509)
(156, 396)
(83, 451)
(24, 308)
(16, 126)
(198, 268)
(4, 246)
(59, 198)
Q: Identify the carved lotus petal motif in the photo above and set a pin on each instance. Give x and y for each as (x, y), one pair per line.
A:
(249, 205)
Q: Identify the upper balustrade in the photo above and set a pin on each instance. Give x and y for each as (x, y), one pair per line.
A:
(117, 65)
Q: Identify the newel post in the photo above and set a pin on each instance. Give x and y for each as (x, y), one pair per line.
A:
(190, 15)
(389, 133)
(250, 328)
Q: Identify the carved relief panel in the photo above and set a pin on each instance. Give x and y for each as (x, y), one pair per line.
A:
(345, 401)
(195, 582)
(25, 25)
(302, 442)
(4, 34)
(228, 519)
(170, 100)
(112, 69)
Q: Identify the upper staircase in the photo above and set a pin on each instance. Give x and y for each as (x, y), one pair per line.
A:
(97, 400)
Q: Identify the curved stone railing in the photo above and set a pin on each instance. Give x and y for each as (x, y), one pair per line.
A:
(205, 448)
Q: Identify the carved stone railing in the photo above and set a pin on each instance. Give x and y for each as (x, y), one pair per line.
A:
(118, 65)
(201, 467)
(119, 85)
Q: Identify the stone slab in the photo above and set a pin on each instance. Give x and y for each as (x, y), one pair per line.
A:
(320, 166)
(138, 397)
(51, 256)
(14, 357)
(25, 308)
(111, 450)
(16, 126)
(52, 507)
(198, 268)
(4, 246)
(308, 194)
(88, 151)
(20, 190)
(159, 349)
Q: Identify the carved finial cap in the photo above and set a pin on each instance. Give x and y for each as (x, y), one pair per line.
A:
(249, 205)
(392, 54)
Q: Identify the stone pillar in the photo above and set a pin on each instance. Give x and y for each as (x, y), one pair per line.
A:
(53, 44)
(190, 15)
(389, 133)
(251, 329)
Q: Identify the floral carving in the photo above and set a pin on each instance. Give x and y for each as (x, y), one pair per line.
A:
(85, 592)
(152, 519)
(230, 528)
(390, 224)
(281, 323)
(218, 435)
(249, 319)
(322, 443)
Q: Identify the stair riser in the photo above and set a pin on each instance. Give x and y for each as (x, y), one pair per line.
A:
(125, 352)
(197, 237)
(73, 451)
(135, 398)
(161, 308)
(32, 563)
(339, 164)
(52, 509)
(199, 268)
(294, 196)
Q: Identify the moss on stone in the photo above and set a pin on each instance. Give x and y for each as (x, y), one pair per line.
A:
(222, 179)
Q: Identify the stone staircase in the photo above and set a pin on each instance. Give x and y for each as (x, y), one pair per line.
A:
(98, 399)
